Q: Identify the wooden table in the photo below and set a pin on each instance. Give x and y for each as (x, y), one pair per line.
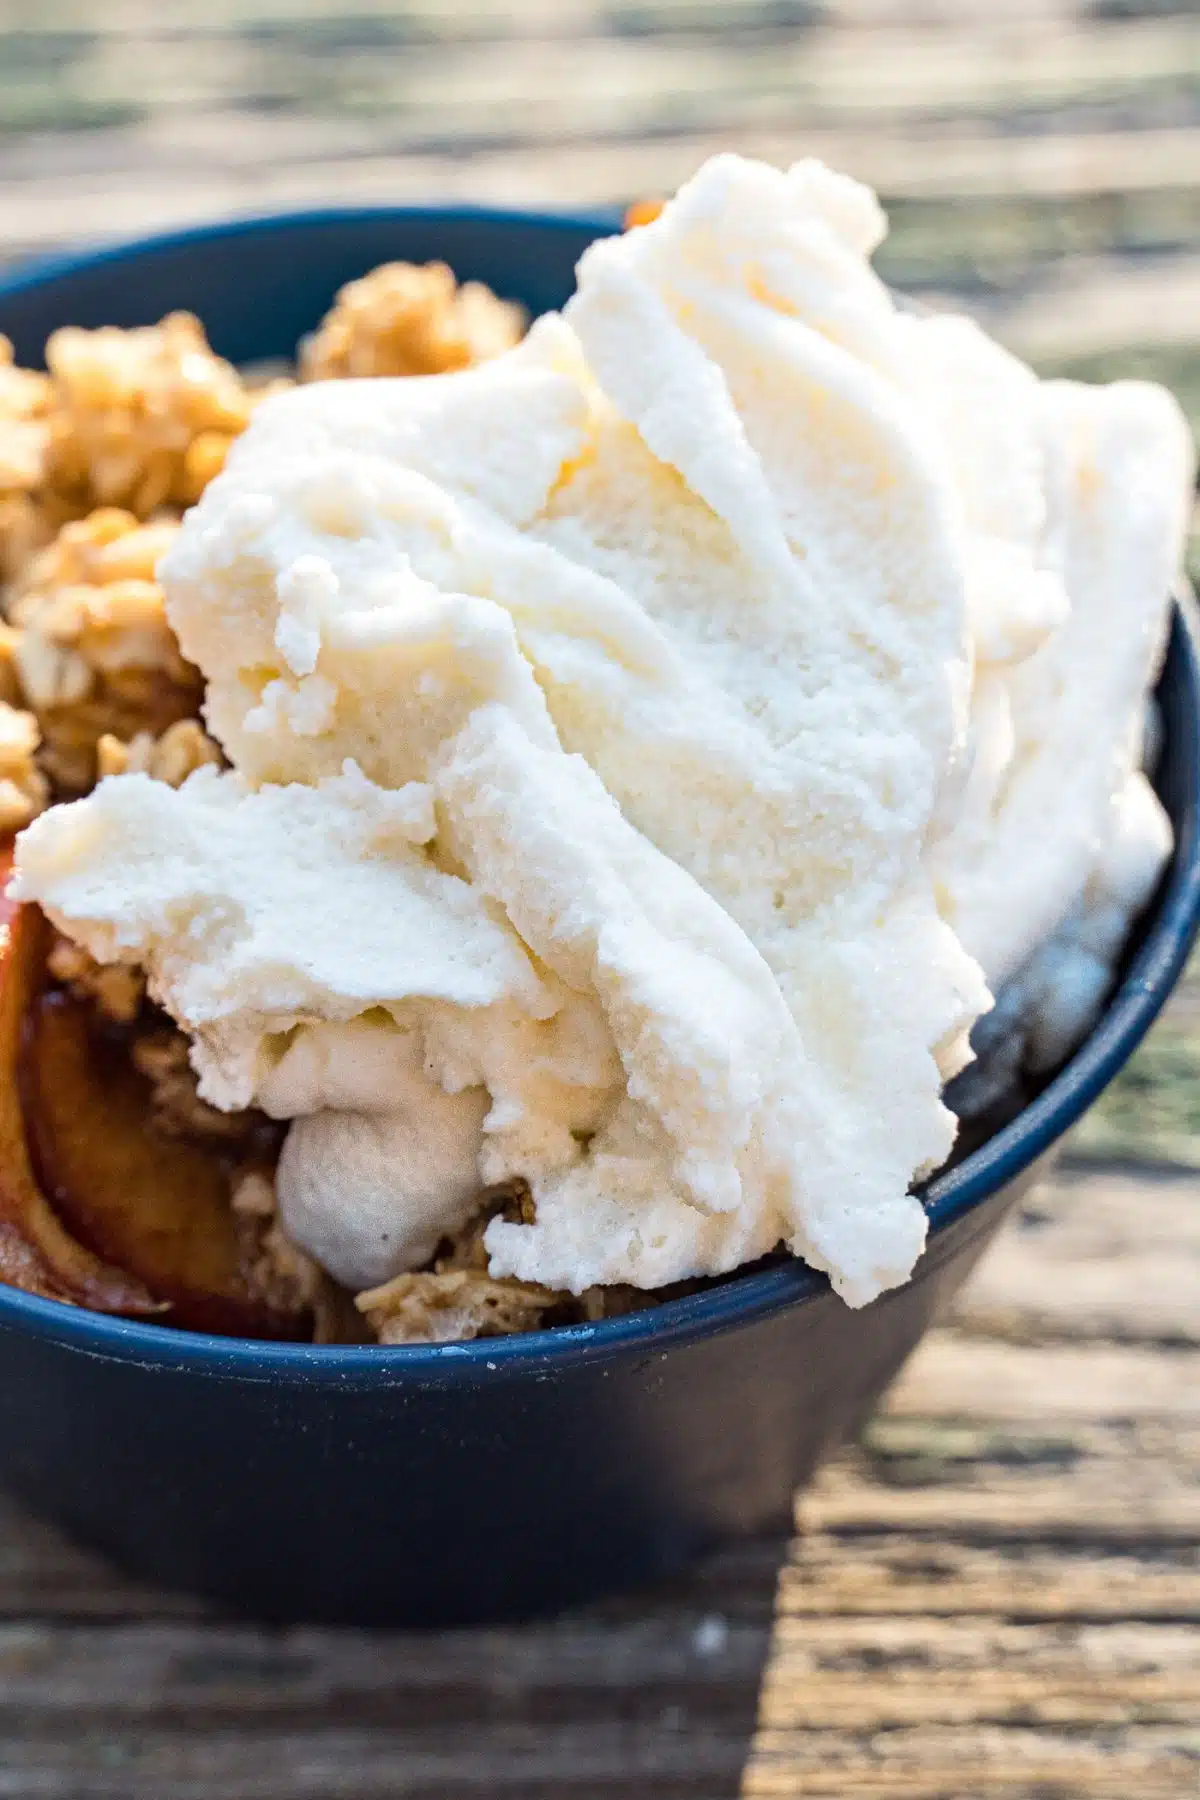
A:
(998, 1593)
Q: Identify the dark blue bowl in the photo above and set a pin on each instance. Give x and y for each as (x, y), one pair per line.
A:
(510, 1476)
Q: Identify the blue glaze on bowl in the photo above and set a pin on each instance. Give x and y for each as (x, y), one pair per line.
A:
(507, 1476)
(260, 283)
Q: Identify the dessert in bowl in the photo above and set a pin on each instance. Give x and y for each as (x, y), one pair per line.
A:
(630, 768)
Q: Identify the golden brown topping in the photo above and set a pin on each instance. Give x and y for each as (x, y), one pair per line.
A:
(98, 458)
(25, 525)
(10, 681)
(253, 1194)
(24, 791)
(114, 990)
(457, 1298)
(203, 461)
(465, 1249)
(94, 654)
(177, 1109)
(24, 393)
(22, 452)
(128, 406)
(429, 1308)
(285, 1276)
(407, 319)
(182, 749)
(25, 398)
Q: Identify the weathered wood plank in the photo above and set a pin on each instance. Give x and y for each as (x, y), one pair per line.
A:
(1051, 313)
(1152, 1109)
(1107, 1254)
(988, 1762)
(880, 1574)
(999, 1593)
(1039, 1382)
(677, 1758)
(1041, 165)
(608, 163)
(366, 66)
(1002, 1603)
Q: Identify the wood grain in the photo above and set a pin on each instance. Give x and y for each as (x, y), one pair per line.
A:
(1005, 139)
(998, 1592)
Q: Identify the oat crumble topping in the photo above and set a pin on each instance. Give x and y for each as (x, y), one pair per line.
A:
(113, 990)
(93, 654)
(402, 319)
(99, 457)
(24, 790)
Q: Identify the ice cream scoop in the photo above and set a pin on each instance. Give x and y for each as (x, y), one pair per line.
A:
(1076, 501)
(668, 692)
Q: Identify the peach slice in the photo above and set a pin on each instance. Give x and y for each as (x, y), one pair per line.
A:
(156, 1206)
(36, 1253)
(641, 212)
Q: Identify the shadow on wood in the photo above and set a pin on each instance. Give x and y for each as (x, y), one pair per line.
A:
(110, 1691)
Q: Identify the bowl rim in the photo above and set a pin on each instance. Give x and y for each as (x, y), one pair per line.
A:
(45, 267)
(737, 1299)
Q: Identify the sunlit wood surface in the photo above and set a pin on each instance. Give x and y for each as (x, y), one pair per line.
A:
(998, 1592)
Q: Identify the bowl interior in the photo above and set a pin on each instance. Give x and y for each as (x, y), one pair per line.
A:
(258, 285)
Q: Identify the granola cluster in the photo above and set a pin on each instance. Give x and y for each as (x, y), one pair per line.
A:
(457, 1298)
(283, 1274)
(181, 749)
(139, 419)
(99, 457)
(403, 319)
(24, 790)
(26, 397)
(92, 651)
(434, 1307)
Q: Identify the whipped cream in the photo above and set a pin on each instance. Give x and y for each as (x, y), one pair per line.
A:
(1076, 500)
(619, 731)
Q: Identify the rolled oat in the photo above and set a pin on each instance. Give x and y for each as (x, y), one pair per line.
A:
(25, 399)
(24, 790)
(183, 748)
(95, 656)
(130, 404)
(408, 319)
(428, 1308)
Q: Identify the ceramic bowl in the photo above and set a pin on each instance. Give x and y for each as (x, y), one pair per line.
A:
(509, 1476)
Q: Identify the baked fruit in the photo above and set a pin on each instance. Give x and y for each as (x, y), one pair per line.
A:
(37, 1251)
(155, 1206)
